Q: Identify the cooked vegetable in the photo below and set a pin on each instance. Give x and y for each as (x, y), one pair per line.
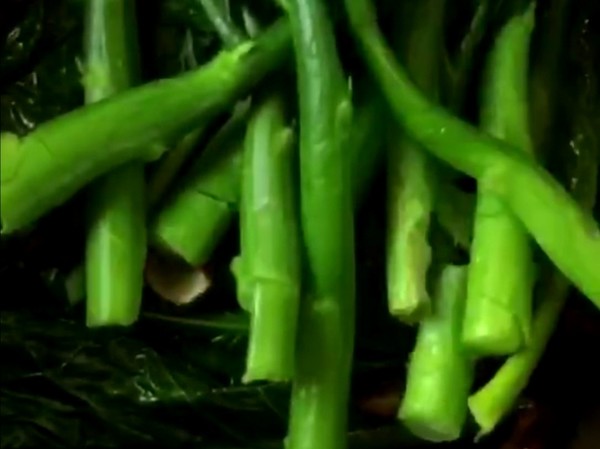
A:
(495, 399)
(200, 210)
(440, 372)
(116, 238)
(209, 195)
(532, 194)
(411, 171)
(320, 390)
(135, 125)
(270, 247)
(501, 274)
(171, 163)
(476, 177)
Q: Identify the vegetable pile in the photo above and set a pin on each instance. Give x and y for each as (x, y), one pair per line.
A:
(283, 137)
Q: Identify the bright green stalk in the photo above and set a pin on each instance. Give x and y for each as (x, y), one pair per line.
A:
(45, 168)
(319, 403)
(170, 164)
(168, 167)
(496, 399)
(195, 217)
(210, 194)
(543, 206)
(366, 148)
(440, 372)
(366, 154)
(411, 185)
(501, 274)
(270, 248)
(116, 236)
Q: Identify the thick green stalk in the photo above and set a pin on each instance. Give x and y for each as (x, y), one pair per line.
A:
(534, 196)
(116, 236)
(196, 216)
(496, 399)
(209, 195)
(440, 372)
(45, 168)
(411, 177)
(366, 149)
(270, 249)
(319, 403)
(171, 163)
(501, 273)
(366, 154)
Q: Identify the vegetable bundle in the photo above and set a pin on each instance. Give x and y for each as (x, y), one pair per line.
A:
(289, 127)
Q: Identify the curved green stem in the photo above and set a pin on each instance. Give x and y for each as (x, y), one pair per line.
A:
(532, 194)
(496, 398)
(319, 404)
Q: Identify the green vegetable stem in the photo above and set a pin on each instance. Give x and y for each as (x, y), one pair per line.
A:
(45, 168)
(197, 214)
(543, 206)
(411, 171)
(171, 163)
(495, 399)
(270, 249)
(434, 406)
(501, 273)
(320, 390)
(116, 236)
